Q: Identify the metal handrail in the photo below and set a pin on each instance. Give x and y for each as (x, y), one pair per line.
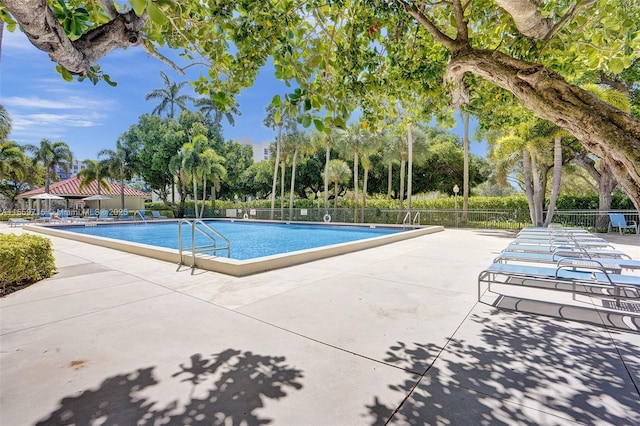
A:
(207, 232)
(416, 219)
(141, 216)
(407, 218)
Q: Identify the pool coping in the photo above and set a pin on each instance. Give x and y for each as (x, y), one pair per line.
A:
(240, 268)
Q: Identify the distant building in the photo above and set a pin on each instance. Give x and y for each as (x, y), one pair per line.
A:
(260, 151)
(76, 166)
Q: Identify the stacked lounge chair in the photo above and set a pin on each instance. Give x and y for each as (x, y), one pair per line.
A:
(567, 259)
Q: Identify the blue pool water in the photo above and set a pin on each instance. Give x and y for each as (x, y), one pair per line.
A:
(248, 240)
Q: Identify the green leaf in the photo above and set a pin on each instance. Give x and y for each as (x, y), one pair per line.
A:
(108, 80)
(319, 124)
(616, 66)
(276, 101)
(156, 14)
(66, 75)
(307, 104)
(138, 6)
(306, 121)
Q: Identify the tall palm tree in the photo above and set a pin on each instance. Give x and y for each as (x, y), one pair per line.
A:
(169, 97)
(95, 171)
(122, 164)
(339, 173)
(353, 142)
(51, 155)
(208, 107)
(5, 119)
(298, 144)
(11, 160)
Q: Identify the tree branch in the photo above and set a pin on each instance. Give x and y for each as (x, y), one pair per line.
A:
(109, 8)
(155, 54)
(45, 32)
(527, 17)
(435, 32)
(462, 33)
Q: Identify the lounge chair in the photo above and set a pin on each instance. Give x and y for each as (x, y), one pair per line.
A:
(614, 265)
(45, 216)
(567, 275)
(156, 215)
(617, 220)
(16, 221)
(93, 214)
(565, 250)
(125, 215)
(104, 215)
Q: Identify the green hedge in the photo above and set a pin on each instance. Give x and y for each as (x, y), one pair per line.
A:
(24, 259)
(4, 217)
(512, 203)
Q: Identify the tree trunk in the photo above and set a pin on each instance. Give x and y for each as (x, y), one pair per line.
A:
(326, 176)
(335, 199)
(528, 188)
(389, 179)
(282, 173)
(402, 172)
(195, 195)
(355, 187)
(275, 172)
(538, 193)
(409, 167)
(122, 193)
(557, 175)
(364, 193)
(601, 128)
(465, 166)
(293, 183)
(204, 195)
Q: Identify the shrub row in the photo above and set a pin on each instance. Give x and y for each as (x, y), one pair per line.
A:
(475, 203)
(24, 259)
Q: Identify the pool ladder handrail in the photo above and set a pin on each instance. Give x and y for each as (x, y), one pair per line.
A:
(208, 232)
(407, 218)
(138, 213)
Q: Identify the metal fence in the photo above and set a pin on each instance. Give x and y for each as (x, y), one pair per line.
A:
(592, 220)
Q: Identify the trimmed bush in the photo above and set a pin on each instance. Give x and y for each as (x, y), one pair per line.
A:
(24, 259)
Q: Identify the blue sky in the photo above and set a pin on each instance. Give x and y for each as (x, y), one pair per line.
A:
(90, 118)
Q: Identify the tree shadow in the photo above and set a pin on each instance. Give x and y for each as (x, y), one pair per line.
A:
(511, 368)
(226, 388)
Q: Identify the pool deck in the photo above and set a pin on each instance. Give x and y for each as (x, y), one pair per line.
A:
(392, 334)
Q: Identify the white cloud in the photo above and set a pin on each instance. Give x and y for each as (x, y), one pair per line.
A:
(71, 102)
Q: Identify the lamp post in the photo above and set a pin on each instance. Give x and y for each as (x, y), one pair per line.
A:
(456, 189)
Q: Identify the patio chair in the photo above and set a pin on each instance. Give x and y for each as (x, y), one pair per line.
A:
(93, 214)
(16, 221)
(45, 216)
(617, 220)
(566, 250)
(614, 265)
(125, 215)
(566, 276)
(104, 215)
(156, 215)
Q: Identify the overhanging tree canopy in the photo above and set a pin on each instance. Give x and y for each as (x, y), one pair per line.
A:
(337, 52)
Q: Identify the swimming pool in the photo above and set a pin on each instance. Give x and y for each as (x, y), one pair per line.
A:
(311, 241)
(249, 240)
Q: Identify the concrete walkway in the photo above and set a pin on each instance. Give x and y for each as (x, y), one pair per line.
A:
(387, 335)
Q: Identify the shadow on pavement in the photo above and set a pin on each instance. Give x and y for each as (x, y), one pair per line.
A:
(231, 386)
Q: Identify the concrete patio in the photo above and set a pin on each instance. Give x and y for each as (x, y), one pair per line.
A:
(386, 335)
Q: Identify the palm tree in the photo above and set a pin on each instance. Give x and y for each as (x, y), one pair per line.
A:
(213, 169)
(95, 171)
(191, 165)
(208, 107)
(169, 97)
(339, 173)
(355, 140)
(298, 144)
(278, 118)
(11, 160)
(5, 120)
(51, 155)
(121, 163)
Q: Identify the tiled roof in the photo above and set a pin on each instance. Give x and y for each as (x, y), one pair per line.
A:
(71, 188)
